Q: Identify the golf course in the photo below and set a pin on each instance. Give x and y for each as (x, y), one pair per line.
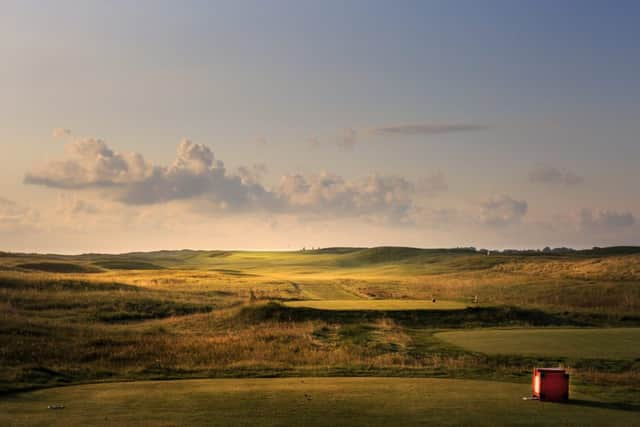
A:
(336, 336)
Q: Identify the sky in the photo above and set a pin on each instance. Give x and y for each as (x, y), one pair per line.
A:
(239, 124)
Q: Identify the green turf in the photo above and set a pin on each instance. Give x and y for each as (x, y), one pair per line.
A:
(304, 402)
(382, 304)
(609, 343)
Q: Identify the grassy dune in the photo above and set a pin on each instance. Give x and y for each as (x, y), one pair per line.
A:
(306, 401)
(610, 343)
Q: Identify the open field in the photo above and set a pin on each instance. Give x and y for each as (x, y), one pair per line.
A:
(305, 401)
(610, 343)
(386, 304)
(340, 312)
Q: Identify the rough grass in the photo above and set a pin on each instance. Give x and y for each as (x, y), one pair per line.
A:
(307, 401)
(610, 343)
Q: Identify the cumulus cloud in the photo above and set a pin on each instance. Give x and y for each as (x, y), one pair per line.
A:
(60, 132)
(197, 174)
(387, 197)
(502, 210)
(90, 163)
(547, 174)
(427, 129)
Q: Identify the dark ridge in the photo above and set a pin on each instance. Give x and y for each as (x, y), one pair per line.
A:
(472, 317)
(218, 254)
(58, 267)
(334, 250)
(612, 250)
(128, 265)
(60, 285)
(147, 308)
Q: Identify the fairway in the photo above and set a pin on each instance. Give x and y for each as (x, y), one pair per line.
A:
(383, 304)
(302, 401)
(610, 343)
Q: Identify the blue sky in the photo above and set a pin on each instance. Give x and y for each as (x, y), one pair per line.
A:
(473, 107)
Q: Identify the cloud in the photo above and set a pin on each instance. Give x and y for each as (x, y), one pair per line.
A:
(433, 184)
(383, 197)
(502, 210)
(427, 129)
(604, 220)
(90, 163)
(16, 218)
(196, 174)
(60, 132)
(547, 174)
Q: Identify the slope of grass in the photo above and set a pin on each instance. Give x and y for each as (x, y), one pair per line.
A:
(608, 343)
(309, 401)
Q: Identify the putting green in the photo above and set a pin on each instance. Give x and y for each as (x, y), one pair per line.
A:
(302, 401)
(379, 304)
(609, 343)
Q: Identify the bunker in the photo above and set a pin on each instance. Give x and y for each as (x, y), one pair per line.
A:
(550, 384)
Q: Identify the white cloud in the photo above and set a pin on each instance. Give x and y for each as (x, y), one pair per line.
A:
(196, 174)
(382, 197)
(90, 163)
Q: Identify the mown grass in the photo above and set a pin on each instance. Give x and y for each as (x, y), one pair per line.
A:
(596, 343)
(309, 402)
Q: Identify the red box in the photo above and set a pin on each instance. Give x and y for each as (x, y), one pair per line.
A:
(550, 384)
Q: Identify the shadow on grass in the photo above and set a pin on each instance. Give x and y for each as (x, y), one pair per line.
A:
(604, 405)
(469, 317)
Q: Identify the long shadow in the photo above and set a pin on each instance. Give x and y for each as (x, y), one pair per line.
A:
(605, 405)
(472, 316)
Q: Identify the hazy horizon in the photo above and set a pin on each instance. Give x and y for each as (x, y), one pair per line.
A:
(219, 125)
